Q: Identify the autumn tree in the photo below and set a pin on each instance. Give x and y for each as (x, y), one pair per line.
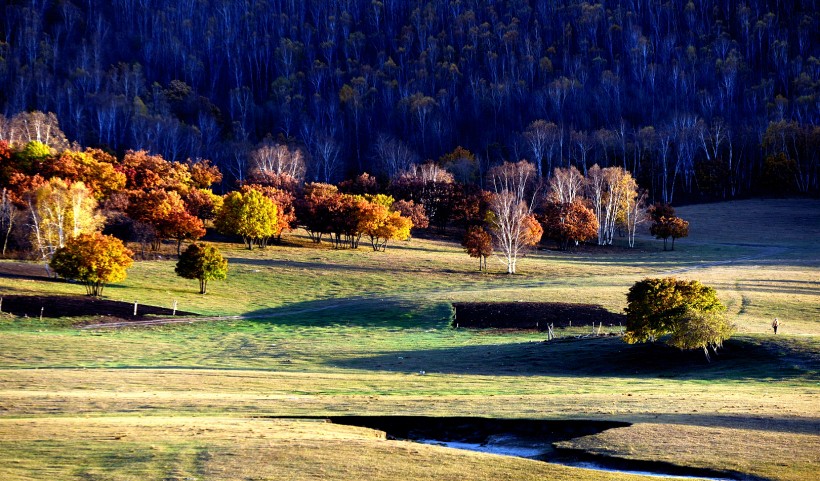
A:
(250, 215)
(415, 212)
(688, 311)
(565, 223)
(59, 211)
(514, 228)
(95, 168)
(275, 158)
(285, 205)
(167, 213)
(666, 224)
(203, 262)
(204, 173)
(610, 190)
(93, 259)
(478, 243)
(381, 225)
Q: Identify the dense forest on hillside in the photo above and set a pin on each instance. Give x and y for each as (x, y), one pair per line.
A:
(699, 99)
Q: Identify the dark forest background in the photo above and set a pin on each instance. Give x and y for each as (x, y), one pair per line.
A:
(700, 100)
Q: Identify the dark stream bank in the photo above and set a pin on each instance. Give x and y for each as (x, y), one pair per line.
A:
(526, 438)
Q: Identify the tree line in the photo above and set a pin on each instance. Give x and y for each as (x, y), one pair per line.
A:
(699, 99)
(52, 193)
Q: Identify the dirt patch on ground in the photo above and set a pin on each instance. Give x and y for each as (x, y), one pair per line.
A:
(531, 315)
(90, 309)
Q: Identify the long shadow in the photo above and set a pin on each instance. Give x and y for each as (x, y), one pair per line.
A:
(362, 311)
(744, 358)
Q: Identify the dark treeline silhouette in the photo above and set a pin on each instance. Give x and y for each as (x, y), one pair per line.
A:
(699, 99)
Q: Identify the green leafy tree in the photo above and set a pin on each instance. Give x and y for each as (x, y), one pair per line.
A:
(688, 311)
(93, 259)
(203, 262)
(251, 215)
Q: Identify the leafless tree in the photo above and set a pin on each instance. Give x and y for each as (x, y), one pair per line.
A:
(565, 185)
(511, 205)
(271, 157)
(393, 156)
(8, 218)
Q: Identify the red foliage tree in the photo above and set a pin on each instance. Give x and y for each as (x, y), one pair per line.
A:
(569, 222)
(478, 243)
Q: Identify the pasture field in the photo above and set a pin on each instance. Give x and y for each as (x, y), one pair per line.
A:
(356, 332)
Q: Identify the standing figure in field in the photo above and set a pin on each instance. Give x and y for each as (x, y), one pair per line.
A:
(775, 325)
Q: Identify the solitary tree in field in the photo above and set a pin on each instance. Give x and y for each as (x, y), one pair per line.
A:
(666, 224)
(478, 243)
(93, 259)
(688, 311)
(203, 262)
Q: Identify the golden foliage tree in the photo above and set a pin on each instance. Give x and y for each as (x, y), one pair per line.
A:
(59, 211)
(93, 259)
(251, 215)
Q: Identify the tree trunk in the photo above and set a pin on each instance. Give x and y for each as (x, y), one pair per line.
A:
(203, 284)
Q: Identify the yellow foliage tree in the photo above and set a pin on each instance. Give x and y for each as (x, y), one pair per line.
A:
(93, 259)
(59, 211)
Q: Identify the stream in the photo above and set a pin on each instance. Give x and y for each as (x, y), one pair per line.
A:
(524, 438)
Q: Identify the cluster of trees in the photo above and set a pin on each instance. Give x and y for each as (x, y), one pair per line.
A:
(686, 313)
(52, 195)
(699, 98)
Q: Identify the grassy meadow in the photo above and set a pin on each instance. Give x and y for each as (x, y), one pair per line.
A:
(335, 332)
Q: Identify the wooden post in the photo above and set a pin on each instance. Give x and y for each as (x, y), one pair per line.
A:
(135, 308)
(1, 304)
(41, 314)
(175, 308)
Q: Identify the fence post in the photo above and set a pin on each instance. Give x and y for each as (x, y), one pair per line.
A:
(175, 309)
(135, 308)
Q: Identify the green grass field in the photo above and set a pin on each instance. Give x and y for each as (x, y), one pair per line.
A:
(347, 332)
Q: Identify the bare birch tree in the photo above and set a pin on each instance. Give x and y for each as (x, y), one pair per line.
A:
(514, 228)
(609, 190)
(8, 218)
(565, 185)
(271, 157)
(393, 156)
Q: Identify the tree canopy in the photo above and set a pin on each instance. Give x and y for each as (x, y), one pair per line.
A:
(93, 259)
(689, 312)
(203, 262)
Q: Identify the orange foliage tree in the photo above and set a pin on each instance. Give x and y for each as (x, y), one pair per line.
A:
(478, 243)
(568, 222)
(167, 214)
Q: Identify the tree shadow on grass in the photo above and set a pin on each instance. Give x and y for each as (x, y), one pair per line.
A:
(358, 312)
(741, 358)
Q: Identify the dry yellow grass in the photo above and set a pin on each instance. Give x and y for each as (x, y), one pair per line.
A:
(241, 449)
(786, 456)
